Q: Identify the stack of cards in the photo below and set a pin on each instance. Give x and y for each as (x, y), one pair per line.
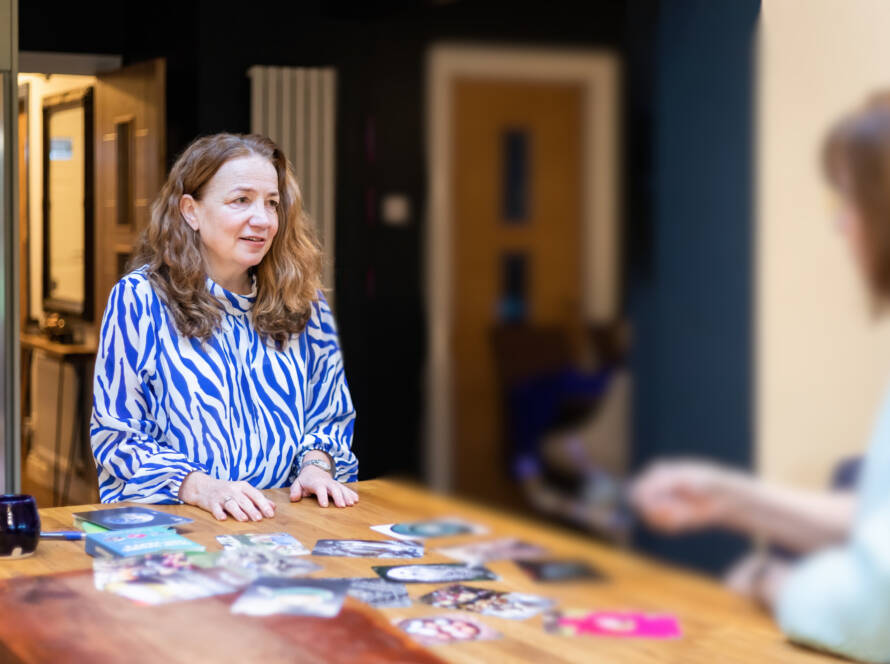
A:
(121, 518)
(516, 606)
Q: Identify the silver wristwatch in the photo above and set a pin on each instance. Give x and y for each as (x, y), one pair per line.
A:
(321, 463)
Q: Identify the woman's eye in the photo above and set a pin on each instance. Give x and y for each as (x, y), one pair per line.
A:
(273, 204)
(241, 200)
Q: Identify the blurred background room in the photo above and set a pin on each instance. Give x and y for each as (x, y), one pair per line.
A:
(563, 238)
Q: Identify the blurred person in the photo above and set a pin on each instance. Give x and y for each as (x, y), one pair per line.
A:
(837, 596)
(219, 370)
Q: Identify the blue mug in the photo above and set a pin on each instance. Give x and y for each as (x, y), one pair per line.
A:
(19, 526)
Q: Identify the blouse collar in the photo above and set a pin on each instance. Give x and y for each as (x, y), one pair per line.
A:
(233, 303)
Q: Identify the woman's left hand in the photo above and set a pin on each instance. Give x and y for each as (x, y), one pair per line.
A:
(314, 480)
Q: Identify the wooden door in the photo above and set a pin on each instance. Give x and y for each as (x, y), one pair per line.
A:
(130, 163)
(517, 178)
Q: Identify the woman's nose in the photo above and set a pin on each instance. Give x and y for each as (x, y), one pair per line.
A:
(259, 215)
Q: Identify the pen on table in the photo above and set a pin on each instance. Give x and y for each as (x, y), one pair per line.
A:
(63, 535)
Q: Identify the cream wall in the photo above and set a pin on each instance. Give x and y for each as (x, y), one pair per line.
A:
(39, 87)
(821, 365)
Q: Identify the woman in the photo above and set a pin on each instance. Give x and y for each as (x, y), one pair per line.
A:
(838, 596)
(219, 370)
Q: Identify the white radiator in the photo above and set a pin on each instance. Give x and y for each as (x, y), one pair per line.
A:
(296, 108)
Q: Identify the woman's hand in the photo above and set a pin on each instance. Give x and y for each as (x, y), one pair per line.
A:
(681, 496)
(240, 499)
(314, 480)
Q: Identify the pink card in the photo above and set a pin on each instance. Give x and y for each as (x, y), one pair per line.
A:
(630, 624)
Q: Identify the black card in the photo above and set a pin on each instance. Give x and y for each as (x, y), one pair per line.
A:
(559, 570)
(120, 518)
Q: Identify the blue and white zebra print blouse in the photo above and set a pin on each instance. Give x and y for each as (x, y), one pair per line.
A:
(235, 408)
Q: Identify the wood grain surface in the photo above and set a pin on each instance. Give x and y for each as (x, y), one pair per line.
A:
(51, 618)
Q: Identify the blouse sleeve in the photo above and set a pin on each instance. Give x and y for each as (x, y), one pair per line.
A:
(133, 461)
(330, 415)
(837, 599)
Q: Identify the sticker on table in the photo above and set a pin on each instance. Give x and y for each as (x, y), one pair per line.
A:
(368, 548)
(620, 624)
(508, 548)
(559, 570)
(447, 628)
(434, 573)
(300, 597)
(281, 543)
(418, 530)
(379, 593)
(515, 606)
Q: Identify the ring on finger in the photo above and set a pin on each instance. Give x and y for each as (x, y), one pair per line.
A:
(226, 499)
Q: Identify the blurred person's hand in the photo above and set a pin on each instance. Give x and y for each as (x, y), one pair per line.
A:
(679, 496)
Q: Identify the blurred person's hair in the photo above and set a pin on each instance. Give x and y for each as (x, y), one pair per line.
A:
(288, 279)
(856, 162)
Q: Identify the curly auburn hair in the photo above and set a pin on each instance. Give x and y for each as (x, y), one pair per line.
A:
(856, 163)
(288, 279)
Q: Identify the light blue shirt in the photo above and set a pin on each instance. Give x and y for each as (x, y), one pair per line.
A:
(839, 599)
(233, 407)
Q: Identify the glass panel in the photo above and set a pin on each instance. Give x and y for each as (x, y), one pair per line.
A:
(124, 181)
(66, 182)
(513, 301)
(515, 169)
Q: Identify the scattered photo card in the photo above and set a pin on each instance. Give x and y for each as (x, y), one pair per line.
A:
(508, 548)
(160, 578)
(418, 530)
(299, 597)
(368, 548)
(121, 518)
(259, 561)
(559, 570)
(447, 628)
(379, 593)
(434, 573)
(515, 606)
(621, 624)
(281, 543)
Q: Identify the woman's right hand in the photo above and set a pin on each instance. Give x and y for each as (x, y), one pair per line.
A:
(679, 496)
(240, 499)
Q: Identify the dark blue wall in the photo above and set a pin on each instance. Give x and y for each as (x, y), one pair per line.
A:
(690, 272)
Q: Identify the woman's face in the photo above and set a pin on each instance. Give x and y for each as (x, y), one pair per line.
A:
(236, 217)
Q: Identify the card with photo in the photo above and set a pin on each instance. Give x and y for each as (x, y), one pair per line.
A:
(259, 561)
(368, 548)
(507, 548)
(281, 543)
(418, 530)
(299, 597)
(434, 573)
(379, 593)
(447, 628)
(515, 606)
(619, 624)
(121, 518)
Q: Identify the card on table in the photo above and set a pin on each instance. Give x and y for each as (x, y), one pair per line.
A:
(161, 578)
(137, 541)
(379, 593)
(622, 624)
(516, 606)
(416, 530)
(281, 543)
(368, 548)
(300, 597)
(259, 561)
(447, 628)
(559, 570)
(119, 518)
(434, 573)
(508, 548)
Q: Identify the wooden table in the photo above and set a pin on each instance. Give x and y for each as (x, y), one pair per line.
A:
(718, 627)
